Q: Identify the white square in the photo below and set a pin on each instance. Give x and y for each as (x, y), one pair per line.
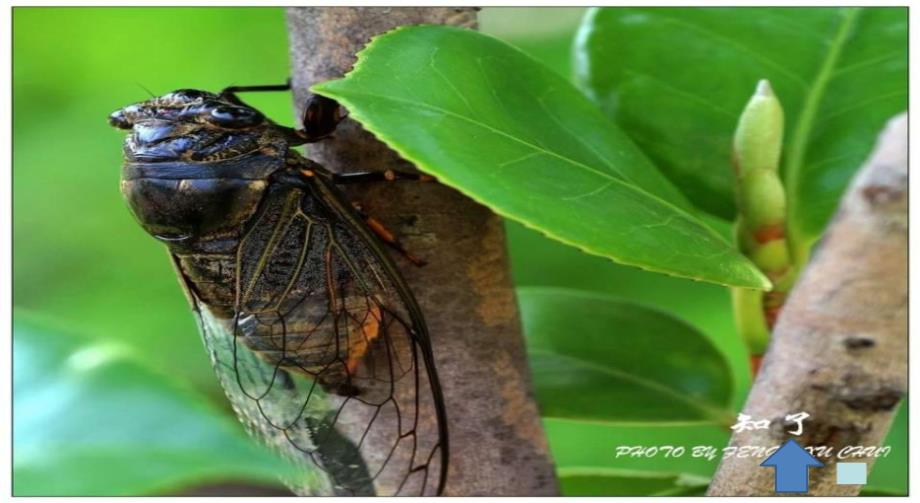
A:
(851, 474)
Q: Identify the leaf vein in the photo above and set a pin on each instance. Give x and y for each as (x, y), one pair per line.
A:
(863, 103)
(741, 47)
(867, 62)
(803, 131)
(447, 81)
(682, 93)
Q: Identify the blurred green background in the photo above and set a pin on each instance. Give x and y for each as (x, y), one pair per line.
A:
(83, 267)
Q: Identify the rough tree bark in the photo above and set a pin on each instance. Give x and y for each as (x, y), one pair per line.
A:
(839, 350)
(496, 438)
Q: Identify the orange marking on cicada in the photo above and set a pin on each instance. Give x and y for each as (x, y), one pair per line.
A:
(363, 335)
(388, 237)
(380, 230)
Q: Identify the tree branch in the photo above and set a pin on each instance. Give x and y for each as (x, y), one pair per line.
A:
(839, 350)
(497, 442)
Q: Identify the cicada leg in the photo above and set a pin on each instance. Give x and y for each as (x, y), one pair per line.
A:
(387, 236)
(379, 176)
(309, 168)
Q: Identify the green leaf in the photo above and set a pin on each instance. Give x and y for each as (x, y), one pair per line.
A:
(89, 421)
(603, 447)
(597, 481)
(676, 79)
(490, 121)
(598, 359)
(890, 472)
(881, 491)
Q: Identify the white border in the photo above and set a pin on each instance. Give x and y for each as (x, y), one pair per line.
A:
(6, 190)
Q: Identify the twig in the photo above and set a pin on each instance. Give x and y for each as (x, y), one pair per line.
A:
(839, 350)
(497, 442)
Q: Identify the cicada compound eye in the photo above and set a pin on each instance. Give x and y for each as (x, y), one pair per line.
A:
(234, 117)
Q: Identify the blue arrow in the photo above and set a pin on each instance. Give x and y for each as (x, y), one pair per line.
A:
(791, 463)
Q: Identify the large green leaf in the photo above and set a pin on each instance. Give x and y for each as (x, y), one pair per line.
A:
(90, 421)
(502, 128)
(676, 80)
(597, 359)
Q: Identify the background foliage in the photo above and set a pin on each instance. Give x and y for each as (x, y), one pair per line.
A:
(839, 73)
(86, 277)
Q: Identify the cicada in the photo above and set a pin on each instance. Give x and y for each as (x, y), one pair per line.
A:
(314, 335)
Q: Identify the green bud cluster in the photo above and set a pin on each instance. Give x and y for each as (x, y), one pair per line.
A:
(760, 229)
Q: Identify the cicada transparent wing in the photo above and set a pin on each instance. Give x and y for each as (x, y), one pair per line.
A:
(325, 354)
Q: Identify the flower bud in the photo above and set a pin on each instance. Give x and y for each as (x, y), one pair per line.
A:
(762, 199)
(760, 229)
(759, 135)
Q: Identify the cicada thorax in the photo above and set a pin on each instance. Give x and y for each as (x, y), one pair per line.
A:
(200, 211)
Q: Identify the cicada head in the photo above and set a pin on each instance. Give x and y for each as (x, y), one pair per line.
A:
(196, 163)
